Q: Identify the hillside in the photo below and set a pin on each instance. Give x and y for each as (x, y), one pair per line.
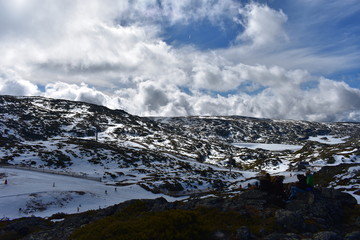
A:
(175, 156)
(324, 214)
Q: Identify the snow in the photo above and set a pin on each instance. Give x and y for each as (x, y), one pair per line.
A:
(339, 159)
(328, 139)
(31, 191)
(351, 151)
(270, 147)
(132, 144)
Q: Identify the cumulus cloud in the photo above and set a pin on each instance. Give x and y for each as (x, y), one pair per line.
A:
(111, 52)
(75, 92)
(263, 25)
(12, 84)
(327, 101)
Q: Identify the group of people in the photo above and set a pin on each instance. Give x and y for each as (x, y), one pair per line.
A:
(272, 184)
(275, 185)
(305, 183)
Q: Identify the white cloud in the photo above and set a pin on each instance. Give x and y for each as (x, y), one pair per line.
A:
(328, 101)
(263, 26)
(12, 84)
(179, 12)
(111, 53)
(75, 92)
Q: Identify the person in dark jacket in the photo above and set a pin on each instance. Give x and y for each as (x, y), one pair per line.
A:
(300, 186)
(265, 183)
(278, 186)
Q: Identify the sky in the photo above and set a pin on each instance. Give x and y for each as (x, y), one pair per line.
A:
(280, 59)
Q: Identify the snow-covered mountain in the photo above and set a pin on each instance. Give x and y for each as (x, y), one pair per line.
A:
(169, 155)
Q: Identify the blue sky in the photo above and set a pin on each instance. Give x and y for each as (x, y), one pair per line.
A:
(202, 34)
(284, 59)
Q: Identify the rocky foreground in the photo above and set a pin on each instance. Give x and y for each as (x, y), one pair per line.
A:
(325, 214)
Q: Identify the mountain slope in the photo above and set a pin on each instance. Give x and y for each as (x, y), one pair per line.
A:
(171, 155)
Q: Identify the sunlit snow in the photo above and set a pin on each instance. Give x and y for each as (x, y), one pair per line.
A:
(32, 193)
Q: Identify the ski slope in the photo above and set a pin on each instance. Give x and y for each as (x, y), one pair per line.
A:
(30, 193)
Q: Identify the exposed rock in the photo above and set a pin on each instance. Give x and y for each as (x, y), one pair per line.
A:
(344, 199)
(325, 206)
(275, 236)
(243, 233)
(352, 236)
(327, 236)
(289, 221)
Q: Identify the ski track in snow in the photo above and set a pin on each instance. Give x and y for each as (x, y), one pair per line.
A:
(59, 193)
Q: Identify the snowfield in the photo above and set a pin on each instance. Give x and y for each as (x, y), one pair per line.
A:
(30, 193)
(328, 139)
(270, 147)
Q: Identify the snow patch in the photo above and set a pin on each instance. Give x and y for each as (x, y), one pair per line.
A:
(270, 147)
(328, 139)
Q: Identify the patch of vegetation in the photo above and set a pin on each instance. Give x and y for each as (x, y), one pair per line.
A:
(134, 222)
(59, 215)
(94, 161)
(55, 158)
(112, 175)
(19, 228)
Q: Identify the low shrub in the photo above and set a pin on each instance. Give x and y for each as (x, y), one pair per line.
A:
(135, 222)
